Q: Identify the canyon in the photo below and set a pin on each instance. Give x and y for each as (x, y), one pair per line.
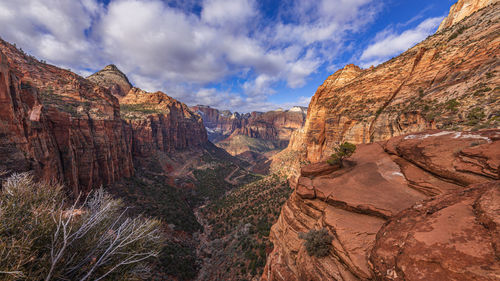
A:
(254, 131)
(418, 200)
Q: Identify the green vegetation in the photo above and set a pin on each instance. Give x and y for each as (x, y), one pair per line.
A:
(452, 105)
(44, 237)
(157, 199)
(475, 115)
(243, 219)
(457, 32)
(345, 150)
(65, 104)
(318, 242)
(137, 111)
(179, 259)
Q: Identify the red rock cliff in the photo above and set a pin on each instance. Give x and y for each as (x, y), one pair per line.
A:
(159, 122)
(59, 125)
(449, 81)
(419, 207)
(238, 133)
(360, 205)
(462, 9)
(68, 128)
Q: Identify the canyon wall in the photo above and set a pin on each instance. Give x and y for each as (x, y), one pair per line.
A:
(84, 132)
(59, 125)
(449, 81)
(462, 9)
(418, 200)
(360, 207)
(255, 131)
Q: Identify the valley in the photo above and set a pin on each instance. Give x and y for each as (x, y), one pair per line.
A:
(238, 196)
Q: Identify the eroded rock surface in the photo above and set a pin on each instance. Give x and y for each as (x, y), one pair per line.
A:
(112, 78)
(255, 131)
(378, 182)
(449, 81)
(462, 9)
(453, 237)
(76, 131)
(59, 125)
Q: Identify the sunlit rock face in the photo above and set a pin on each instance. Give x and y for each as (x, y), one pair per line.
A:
(60, 125)
(462, 9)
(389, 210)
(84, 132)
(255, 131)
(418, 199)
(449, 81)
(112, 78)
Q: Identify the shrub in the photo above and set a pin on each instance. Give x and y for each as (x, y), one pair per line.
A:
(452, 105)
(475, 116)
(44, 238)
(318, 242)
(343, 151)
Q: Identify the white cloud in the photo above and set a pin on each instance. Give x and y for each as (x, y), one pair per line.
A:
(387, 43)
(165, 45)
(50, 29)
(222, 12)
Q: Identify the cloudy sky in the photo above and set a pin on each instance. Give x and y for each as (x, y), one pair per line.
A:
(231, 54)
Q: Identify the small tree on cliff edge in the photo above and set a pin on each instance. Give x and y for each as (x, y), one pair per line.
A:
(343, 151)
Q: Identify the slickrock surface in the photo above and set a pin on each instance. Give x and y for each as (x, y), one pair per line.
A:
(380, 181)
(462, 9)
(59, 125)
(454, 237)
(113, 79)
(449, 81)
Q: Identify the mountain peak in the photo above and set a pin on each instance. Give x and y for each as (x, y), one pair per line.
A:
(113, 78)
(462, 9)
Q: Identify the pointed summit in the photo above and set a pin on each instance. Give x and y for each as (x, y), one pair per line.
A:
(112, 78)
(462, 9)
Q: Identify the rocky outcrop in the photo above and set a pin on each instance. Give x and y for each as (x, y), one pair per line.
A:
(74, 130)
(380, 201)
(221, 124)
(463, 9)
(112, 78)
(449, 81)
(454, 237)
(159, 122)
(255, 131)
(59, 125)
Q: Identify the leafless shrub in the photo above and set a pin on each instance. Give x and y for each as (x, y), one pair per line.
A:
(44, 238)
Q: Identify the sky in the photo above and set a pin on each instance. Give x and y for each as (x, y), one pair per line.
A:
(241, 55)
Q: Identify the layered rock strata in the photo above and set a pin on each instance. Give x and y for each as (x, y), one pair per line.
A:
(378, 211)
(255, 131)
(76, 131)
(60, 125)
(448, 81)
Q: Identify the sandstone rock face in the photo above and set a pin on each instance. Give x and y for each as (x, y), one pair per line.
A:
(113, 79)
(454, 237)
(255, 131)
(449, 81)
(70, 129)
(159, 122)
(375, 202)
(59, 125)
(462, 9)
(221, 124)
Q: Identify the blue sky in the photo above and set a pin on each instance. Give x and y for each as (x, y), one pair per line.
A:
(240, 55)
